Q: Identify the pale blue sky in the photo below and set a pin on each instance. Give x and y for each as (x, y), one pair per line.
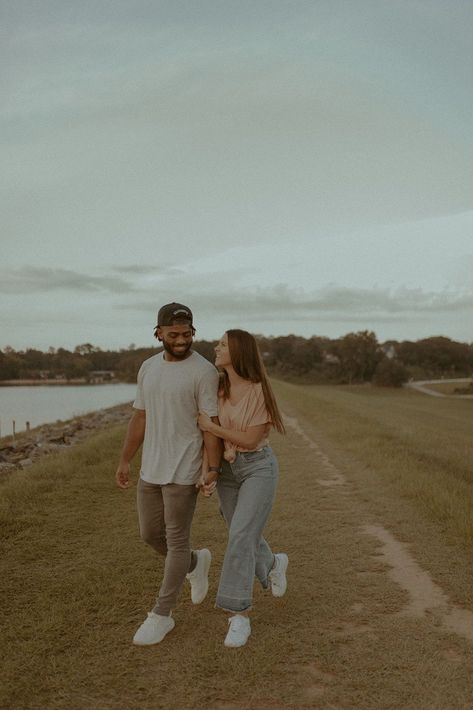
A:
(286, 167)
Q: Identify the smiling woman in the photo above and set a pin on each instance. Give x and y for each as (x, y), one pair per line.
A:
(248, 479)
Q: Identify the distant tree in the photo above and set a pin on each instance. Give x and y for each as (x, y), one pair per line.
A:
(280, 350)
(437, 356)
(359, 355)
(306, 355)
(130, 362)
(86, 349)
(390, 373)
(10, 365)
(33, 361)
(206, 348)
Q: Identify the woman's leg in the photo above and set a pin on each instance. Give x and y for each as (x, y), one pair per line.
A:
(227, 490)
(264, 562)
(253, 500)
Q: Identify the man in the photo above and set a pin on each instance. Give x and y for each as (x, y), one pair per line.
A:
(173, 386)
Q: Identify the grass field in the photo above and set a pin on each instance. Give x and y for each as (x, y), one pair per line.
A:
(76, 580)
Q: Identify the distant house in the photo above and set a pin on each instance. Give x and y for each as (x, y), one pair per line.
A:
(389, 350)
(331, 359)
(97, 377)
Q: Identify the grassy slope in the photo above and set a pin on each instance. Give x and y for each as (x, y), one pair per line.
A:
(419, 444)
(77, 580)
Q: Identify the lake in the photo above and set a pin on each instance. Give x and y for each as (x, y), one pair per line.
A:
(43, 404)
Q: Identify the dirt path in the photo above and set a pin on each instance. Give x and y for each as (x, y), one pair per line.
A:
(387, 634)
(424, 595)
(424, 387)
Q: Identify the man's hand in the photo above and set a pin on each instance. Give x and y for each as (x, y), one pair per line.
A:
(122, 475)
(208, 483)
(134, 438)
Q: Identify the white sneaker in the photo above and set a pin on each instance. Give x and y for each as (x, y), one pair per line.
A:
(153, 629)
(199, 577)
(277, 576)
(239, 631)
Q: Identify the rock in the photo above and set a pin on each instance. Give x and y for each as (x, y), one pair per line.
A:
(50, 438)
(24, 463)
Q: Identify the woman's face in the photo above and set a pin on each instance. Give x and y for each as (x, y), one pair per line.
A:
(222, 352)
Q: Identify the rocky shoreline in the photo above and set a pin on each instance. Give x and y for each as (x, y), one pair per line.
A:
(26, 448)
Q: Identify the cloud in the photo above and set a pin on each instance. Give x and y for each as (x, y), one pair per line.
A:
(330, 302)
(32, 279)
(148, 270)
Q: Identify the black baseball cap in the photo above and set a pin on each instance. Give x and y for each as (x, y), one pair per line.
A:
(174, 312)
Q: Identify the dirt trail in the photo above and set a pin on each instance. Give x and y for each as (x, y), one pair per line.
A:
(391, 618)
(424, 594)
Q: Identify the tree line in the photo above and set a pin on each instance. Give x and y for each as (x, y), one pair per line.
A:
(354, 358)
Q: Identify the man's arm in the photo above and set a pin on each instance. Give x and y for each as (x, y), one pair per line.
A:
(213, 447)
(133, 440)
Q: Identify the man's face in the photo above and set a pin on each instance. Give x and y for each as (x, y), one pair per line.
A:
(176, 340)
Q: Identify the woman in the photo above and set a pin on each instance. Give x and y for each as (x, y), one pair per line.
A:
(247, 483)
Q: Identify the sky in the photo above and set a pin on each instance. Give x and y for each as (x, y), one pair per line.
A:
(283, 166)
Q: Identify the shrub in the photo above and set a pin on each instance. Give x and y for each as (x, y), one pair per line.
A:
(390, 373)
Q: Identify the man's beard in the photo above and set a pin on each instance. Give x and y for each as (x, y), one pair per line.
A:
(180, 354)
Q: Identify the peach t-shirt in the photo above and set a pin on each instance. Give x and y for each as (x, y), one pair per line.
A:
(249, 411)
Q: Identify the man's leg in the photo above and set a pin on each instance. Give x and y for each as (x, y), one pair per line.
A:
(151, 515)
(179, 505)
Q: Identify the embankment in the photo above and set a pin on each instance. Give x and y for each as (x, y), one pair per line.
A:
(24, 449)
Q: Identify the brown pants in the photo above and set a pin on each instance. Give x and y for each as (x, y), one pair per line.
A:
(165, 515)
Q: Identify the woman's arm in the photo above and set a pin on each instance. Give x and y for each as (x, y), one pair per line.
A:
(246, 439)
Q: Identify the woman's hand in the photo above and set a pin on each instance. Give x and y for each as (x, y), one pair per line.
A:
(208, 483)
(204, 422)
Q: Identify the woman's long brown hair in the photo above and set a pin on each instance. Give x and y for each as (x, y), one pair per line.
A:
(247, 363)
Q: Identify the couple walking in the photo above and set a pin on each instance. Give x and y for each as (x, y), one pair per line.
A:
(181, 403)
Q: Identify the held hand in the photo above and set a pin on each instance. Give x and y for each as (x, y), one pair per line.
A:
(204, 422)
(122, 475)
(209, 483)
(208, 490)
(200, 483)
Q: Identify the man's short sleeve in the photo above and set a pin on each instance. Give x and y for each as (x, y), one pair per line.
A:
(139, 402)
(207, 393)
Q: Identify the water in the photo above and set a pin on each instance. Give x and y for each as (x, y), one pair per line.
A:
(44, 404)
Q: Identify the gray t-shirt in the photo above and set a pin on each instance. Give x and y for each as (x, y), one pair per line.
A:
(172, 394)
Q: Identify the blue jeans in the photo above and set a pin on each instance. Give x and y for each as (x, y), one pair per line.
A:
(246, 491)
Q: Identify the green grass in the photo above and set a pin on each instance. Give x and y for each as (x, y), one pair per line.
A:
(76, 580)
(421, 445)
